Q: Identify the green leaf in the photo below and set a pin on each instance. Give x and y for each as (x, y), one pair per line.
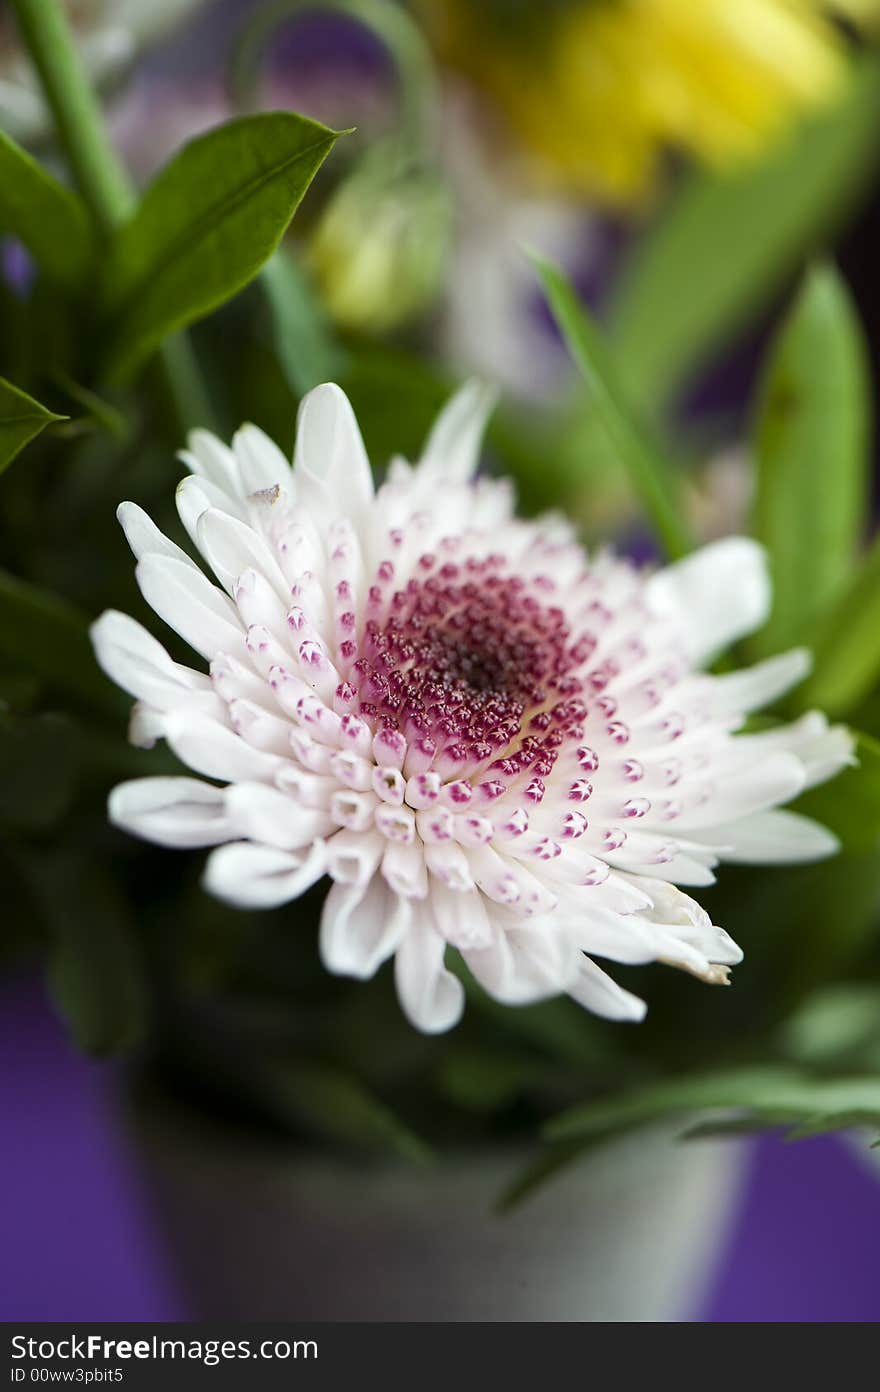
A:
(651, 476)
(95, 972)
(94, 407)
(728, 244)
(812, 443)
(39, 760)
(43, 634)
(50, 219)
(762, 1098)
(746, 1087)
(535, 1175)
(21, 419)
(335, 1105)
(204, 227)
(304, 344)
(845, 641)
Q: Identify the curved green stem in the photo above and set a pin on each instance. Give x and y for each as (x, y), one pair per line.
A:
(101, 177)
(398, 34)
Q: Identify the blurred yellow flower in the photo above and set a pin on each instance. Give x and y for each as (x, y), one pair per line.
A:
(598, 91)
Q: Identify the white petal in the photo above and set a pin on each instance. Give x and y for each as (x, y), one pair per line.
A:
(783, 838)
(330, 464)
(353, 856)
(261, 462)
(188, 602)
(452, 451)
(259, 727)
(688, 921)
(776, 779)
(265, 814)
(178, 812)
(595, 990)
(216, 751)
(461, 917)
(195, 496)
(431, 997)
(403, 866)
(144, 537)
(231, 547)
(361, 926)
(714, 596)
(758, 686)
(146, 725)
(140, 665)
(822, 751)
(261, 877)
(525, 964)
(826, 754)
(211, 459)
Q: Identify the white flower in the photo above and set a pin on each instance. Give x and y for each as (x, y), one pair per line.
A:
(486, 740)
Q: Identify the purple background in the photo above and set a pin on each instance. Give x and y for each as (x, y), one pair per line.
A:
(78, 1240)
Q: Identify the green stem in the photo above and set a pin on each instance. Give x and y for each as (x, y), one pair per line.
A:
(101, 177)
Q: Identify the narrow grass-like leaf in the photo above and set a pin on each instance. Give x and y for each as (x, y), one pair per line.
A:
(333, 1104)
(48, 218)
(651, 476)
(845, 641)
(21, 419)
(304, 343)
(760, 1098)
(204, 227)
(748, 1087)
(728, 243)
(811, 446)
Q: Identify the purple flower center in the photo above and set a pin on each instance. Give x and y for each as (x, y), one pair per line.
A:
(475, 664)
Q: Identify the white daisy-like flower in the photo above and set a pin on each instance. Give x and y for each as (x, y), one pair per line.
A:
(487, 740)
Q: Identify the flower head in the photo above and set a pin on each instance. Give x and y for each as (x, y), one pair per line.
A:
(488, 741)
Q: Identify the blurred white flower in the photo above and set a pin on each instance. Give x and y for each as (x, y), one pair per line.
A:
(109, 33)
(487, 740)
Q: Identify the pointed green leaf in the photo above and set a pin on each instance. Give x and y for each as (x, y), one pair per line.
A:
(21, 419)
(652, 478)
(727, 244)
(811, 446)
(50, 219)
(548, 1163)
(845, 641)
(335, 1105)
(204, 227)
(761, 1098)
